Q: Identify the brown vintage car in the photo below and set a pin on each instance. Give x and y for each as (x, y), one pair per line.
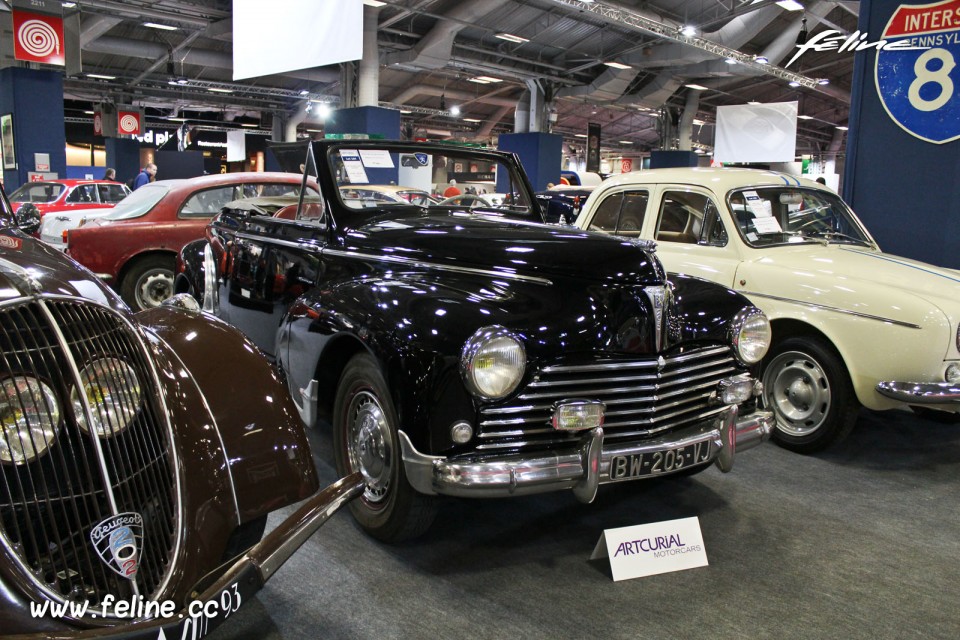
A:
(136, 469)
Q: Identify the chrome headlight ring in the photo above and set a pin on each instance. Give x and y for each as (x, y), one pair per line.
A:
(112, 391)
(750, 335)
(492, 363)
(29, 419)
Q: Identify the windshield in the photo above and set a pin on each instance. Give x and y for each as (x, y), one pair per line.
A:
(767, 216)
(139, 202)
(371, 179)
(38, 192)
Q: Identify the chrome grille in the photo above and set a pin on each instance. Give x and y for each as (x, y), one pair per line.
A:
(48, 506)
(642, 398)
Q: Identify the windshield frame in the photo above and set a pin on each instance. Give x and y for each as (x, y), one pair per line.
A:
(328, 154)
(795, 238)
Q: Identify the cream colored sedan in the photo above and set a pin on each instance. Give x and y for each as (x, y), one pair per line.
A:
(851, 325)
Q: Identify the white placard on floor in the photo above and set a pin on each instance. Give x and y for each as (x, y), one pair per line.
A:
(649, 549)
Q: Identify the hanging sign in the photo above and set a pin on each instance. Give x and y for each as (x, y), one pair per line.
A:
(917, 85)
(129, 123)
(593, 147)
(38, 38)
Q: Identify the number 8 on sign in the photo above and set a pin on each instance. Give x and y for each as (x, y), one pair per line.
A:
(918, 85)
(940, 77)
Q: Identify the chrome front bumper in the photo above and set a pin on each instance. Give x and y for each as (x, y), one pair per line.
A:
(582, 469)
(921, 392)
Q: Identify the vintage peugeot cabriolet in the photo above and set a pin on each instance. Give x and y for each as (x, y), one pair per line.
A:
(478, 353)
(136, 472)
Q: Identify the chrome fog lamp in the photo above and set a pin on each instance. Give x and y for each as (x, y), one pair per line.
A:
(736, 390)
(461, 432)
(29, 419)
(492, 363)
(112, 390)
(952, 374)
(751, 335)
(578, 415)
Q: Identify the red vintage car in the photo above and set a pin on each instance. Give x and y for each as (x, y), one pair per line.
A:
(66, 195)
(135, 249)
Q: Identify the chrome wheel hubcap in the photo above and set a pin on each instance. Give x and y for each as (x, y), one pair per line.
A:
(369, 445)
(153, 288)
(796, 387)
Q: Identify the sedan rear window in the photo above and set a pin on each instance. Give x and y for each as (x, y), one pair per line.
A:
(139, 202)
(38, 192)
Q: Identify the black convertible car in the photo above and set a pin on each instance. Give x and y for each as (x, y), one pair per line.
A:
(478, 353)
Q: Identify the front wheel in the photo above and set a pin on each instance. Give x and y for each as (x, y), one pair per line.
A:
(365, 440)
(807, 386)
(148, 282)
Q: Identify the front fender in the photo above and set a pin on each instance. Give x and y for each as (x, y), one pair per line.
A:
(269, 456)
(189, 270)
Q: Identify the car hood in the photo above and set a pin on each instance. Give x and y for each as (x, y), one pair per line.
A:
(28, 267)
(856, 278)
(507, 246)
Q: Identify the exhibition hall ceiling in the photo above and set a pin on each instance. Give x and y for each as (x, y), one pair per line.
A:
(433, 51)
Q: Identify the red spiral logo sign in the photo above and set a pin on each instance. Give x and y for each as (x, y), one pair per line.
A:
(39, 38)
(98, 124)
(128, 123)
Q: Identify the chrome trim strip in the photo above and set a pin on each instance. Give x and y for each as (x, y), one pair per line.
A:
(920, 392)
(645, 364)
(899, 323)
(666, 383)
(401, 260)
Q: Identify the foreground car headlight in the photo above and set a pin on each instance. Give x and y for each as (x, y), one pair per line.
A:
(112, 390)
(952, 374)
(492, 363)
(751, 335)
(29, 419)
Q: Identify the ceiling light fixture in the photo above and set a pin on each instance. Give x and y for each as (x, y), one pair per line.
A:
(804, 117)
(489, 79)
(219, 90)
(625, 141)
(731, 61)
(761, 59)
(162, 27)
(698, 87)
(617, 65)
(794, 83)
(841, 128)
(579, 135)
(454, 110)
(68, 5)
(304, 92)
(822, 81)
(511, 38)
(688, 30)
(248, 124)
(101, 76)
(374, 3)
(790, 5)
(472, 120)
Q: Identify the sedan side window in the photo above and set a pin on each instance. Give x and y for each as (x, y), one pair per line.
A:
(83, 193)
(207, 203)
(631, 213)
(682, 215)
(608, 212)
(112, 193)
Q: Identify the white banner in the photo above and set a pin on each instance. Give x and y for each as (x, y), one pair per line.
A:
(287, 35)
(756, 133)
(236, 146)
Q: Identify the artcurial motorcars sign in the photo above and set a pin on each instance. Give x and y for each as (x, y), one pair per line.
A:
(917, 86)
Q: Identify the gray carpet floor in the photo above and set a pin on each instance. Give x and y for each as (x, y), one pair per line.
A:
(859, 542)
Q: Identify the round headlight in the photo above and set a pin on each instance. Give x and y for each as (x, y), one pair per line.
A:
(29, 419)
(492, 363)
(112, 390)
(751, 335)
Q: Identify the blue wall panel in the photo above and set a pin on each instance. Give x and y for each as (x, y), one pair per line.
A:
(375, 121)
(35, 98)
(906, 190)
(540, 153)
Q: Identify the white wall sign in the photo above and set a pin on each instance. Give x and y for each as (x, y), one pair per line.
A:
(236, 146)
(756, 133)
(649, 549)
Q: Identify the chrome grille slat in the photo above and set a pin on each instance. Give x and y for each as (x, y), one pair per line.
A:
(643, 397)
(49, 505)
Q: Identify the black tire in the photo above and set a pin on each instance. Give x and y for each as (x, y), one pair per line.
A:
(807, 386)
(148, 282)
(365, 439)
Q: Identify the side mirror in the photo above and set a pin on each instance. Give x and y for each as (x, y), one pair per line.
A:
(28, 218)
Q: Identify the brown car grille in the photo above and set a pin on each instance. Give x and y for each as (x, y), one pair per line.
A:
(49, 505)
(642, 398)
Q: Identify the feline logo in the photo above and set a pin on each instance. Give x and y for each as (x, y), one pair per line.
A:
(117, 540)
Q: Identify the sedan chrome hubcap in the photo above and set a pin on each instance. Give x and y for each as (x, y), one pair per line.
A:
(369, 443)
(154, 287)
(796, 387)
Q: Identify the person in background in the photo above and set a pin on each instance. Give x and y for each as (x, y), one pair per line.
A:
(110, 174)
(146, 176)
(452, 190)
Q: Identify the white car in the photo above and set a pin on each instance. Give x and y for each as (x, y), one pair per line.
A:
(55, 225)
(851, 325)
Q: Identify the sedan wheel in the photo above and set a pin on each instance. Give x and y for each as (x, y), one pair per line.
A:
(365, 439)
(148, 282)
(807, 386)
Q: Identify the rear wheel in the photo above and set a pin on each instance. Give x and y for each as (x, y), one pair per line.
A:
(148, 282)
(365, 440)
(806, 385)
